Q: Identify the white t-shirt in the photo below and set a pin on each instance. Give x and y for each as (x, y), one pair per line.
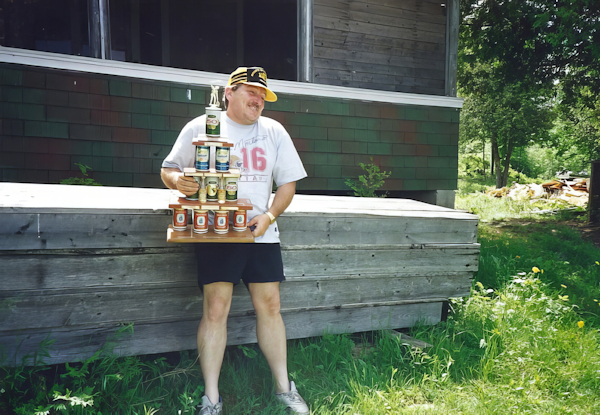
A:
(264, 152)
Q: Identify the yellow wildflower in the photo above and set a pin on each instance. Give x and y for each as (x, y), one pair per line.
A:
(580, 324)
(542, 271)
(563, 285)
(597, 263)
(520, 257)
(535, 270)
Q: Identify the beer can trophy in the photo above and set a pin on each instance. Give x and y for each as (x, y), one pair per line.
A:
(180, 219)
(213, 114)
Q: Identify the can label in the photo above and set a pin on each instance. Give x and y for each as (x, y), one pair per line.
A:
(180, 219)
(212, 187)
(222, 159)
(200, 221)
(221, 221)
(239, 220)
(231, 187)
(202, 158)
(213, 125)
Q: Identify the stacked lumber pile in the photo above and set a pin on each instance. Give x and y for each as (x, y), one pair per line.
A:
(574, 192)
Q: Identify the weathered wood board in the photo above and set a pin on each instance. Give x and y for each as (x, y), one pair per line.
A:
(384, 45)
(78, 263)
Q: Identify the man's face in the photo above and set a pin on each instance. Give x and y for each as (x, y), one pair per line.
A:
(246, 103)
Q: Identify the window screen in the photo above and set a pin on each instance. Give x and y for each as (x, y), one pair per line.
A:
(47, 25)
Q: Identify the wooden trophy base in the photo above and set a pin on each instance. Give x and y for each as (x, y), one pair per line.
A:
(189, 236)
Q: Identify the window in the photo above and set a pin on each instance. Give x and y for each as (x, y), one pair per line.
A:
(207, 35)
(204, 35)
(59, 26)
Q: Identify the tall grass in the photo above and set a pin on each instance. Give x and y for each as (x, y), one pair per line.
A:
(525, 342)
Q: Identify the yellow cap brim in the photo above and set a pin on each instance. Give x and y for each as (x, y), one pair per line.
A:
(270, 97)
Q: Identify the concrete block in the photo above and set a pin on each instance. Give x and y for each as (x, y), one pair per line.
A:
(46, 129)
(355, 147)
(379, 148)
(313, 106)
(70, 115)
(338, 108)
(366, 135)
(11, 94)
(356, 123)
(328, 171)
(119, 87)
(314, 133)
(34, 96)
(89, 132)
(9, 76)
(99, 86)
(404, 149)
(328, 146)
(163, 137)
(343, 134)
(417, 114)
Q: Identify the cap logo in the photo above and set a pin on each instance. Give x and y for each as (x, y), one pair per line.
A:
(254, 75)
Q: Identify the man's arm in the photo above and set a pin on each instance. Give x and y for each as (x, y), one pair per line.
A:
(174, 179)
(283, 198)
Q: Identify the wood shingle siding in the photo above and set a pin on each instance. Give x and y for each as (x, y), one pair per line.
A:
(385, 45)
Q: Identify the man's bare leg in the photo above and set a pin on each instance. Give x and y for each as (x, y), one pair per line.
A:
(270, 331)
(212, 335)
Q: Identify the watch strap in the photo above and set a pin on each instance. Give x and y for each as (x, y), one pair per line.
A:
(270, 215)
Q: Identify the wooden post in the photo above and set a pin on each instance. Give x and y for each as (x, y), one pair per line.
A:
(452, 23)
(305, 40)
(594, 190)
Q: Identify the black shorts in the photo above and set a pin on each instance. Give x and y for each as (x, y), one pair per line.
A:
(230, 262)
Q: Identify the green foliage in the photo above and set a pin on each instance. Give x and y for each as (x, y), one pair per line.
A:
(369, 183)
(538, 42)
(86, 181)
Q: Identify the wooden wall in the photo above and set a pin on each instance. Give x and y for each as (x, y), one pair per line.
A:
(79, 263)
(123, 129)
(381, 44)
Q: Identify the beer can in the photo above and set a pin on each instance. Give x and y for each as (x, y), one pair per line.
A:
(212, 187)
(222, 159)
(180, 219)
(202, 158)
(200, 221)
(239, 220)
(196, 195)
(231, 187)
(213, 122)
(221, 221)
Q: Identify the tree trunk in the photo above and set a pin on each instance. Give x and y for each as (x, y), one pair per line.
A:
(496, 160)
(509, 150)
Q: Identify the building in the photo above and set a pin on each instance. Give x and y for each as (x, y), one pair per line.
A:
(109, 84)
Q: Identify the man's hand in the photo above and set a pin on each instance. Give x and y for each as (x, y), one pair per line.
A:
(187, 185)
(174, 179)
(262, 223)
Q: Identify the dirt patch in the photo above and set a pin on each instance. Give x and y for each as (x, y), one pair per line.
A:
(590, 233)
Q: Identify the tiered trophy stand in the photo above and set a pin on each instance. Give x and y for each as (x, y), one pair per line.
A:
(188, 235)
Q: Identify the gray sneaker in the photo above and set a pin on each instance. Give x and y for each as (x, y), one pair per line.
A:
(293, 400)
(207, 408)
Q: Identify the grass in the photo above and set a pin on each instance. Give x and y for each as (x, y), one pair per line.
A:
(525, 342)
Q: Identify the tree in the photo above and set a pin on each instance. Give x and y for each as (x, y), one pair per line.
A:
(507, 115)
(514, 55)
(578, 127)
(538, 42)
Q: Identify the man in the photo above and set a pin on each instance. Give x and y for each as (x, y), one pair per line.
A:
(264, 152)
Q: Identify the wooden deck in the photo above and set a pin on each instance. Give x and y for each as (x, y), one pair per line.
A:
(77, 263)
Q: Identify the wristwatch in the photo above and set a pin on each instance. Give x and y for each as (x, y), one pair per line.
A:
(270, 215)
